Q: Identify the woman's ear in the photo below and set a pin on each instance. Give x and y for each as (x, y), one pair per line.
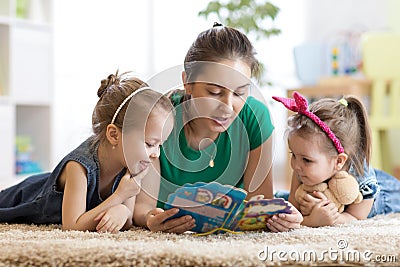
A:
(183, 77)
(113, 134)
(341, 160)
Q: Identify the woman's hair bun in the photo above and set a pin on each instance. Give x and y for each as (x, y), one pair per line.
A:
(217, 24)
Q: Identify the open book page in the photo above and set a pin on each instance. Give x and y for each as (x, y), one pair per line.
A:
(255, 213)
(214, 206)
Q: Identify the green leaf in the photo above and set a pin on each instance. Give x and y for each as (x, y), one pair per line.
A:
(212, 7)
(245, 2)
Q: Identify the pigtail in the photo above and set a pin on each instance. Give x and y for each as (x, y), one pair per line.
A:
(364, 147)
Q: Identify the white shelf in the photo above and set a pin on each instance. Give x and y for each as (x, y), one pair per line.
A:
(5, 20)
(31, 57)
(5, 100)
(26, 84)
(7, 129)
(33, 121)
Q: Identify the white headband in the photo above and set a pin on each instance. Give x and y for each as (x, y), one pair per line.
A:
(126, 100)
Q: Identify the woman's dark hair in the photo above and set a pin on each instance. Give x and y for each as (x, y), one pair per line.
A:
(221, 43)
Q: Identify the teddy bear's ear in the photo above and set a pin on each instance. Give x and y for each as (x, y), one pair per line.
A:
(300, 193)
(341, 175)
(345, 187)
(321, 187)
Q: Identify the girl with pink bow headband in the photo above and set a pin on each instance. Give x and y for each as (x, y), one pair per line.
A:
(331, 136)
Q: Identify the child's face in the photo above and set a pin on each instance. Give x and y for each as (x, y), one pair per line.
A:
(141, 148)
(310, 164)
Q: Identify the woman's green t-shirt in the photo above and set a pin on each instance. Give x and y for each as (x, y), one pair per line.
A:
(182, 164)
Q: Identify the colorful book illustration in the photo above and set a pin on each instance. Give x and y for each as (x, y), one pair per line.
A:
(215, 206)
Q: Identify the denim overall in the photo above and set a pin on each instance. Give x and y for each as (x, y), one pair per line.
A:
(380, 186)
(388, 199)
(37, 200)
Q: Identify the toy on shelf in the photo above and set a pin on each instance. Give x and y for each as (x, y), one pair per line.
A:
(345, 54)
(338, 55)
(24, 162)
(335, 61)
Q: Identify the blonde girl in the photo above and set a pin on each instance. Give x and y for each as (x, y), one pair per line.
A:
(94, 186)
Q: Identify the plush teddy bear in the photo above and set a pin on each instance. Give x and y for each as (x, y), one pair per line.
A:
(342, 189)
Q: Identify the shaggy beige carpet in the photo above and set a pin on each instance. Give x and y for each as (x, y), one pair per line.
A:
(370, 242)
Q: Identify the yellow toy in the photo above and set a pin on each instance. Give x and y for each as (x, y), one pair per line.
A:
(342, 189)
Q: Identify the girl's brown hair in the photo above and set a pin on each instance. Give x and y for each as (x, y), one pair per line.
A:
(349, 124)
(221, 43)
(113, 91)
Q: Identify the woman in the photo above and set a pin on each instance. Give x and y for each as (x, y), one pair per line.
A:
(221, 133)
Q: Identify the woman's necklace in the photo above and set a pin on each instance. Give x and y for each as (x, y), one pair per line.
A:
(212, 156)
(214, 153)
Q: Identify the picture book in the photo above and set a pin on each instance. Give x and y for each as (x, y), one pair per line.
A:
(223, 207)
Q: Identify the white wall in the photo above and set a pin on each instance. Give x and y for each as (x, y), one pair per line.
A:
(92, 39)
(325, 19)
(175, 26)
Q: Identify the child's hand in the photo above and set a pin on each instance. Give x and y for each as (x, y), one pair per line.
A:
(308, 202)
(113, 219)
(324, 213)
(157, 221)
(130, 186)
(284, 222)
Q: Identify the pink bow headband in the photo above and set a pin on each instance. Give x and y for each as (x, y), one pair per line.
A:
(299, 104)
